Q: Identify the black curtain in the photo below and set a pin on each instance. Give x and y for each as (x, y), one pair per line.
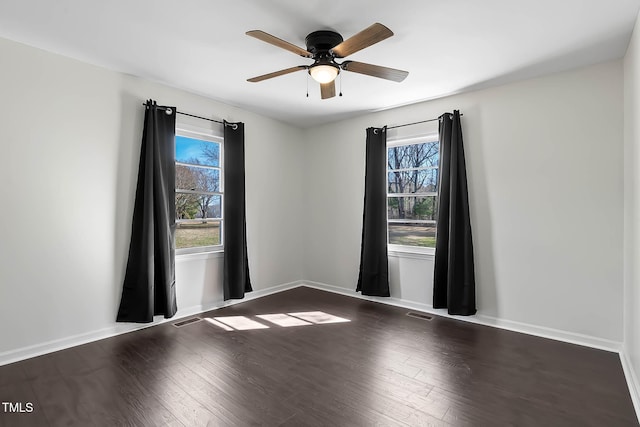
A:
(373, 277)
(454, 285)
(149, 282)
(236, 264)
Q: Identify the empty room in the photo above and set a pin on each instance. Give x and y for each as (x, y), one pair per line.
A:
(320, 213)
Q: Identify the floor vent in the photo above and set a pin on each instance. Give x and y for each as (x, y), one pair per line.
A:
(187, 322)
(420, 315)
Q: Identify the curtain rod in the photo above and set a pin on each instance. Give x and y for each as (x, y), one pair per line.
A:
(199, 117)
(190, 115)
(415, 123)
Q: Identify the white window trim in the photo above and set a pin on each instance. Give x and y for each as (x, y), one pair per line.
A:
(406, 251)
(200, 250)
(204, 134)
(415, 252)
(400, 141)
(196, 256)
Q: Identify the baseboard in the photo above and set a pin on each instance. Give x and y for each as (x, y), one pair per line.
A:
(123, 328)
(632, 381)
(39, 349)
(540, 331)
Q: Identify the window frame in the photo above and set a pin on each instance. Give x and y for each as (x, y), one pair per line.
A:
(206, 135)
(426, 137)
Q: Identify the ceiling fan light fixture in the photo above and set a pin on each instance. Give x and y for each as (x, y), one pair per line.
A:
(324, 73)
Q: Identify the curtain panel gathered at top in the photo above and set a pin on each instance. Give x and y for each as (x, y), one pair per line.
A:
(149, 282)
(454, 277)
(236, 264)
(373, 277)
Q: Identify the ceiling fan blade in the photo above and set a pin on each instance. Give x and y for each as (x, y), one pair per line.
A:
(365, 38)
(277, 73)
(375, 70)
(328, 90)
(266, 37)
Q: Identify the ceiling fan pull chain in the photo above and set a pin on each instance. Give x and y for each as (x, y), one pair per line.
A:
(307, 85)
(340, 85)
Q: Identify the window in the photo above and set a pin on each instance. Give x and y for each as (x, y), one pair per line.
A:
(412, 187)
(199, 192)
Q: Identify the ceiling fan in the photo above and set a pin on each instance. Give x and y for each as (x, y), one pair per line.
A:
(324, 47)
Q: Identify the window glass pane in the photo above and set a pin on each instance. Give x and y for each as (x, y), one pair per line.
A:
(412, 169)
(193, 206)
(412, 234)
(195, 178)
(197, 152)
(412, 208)
(414, 181)
(413, 156)
(193, 234)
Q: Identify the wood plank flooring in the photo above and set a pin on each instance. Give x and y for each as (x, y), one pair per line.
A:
(381, 367)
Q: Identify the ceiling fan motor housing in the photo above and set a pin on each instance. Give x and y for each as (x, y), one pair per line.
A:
(320, 42)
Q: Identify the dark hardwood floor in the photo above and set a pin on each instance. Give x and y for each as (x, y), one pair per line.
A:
(381, 367)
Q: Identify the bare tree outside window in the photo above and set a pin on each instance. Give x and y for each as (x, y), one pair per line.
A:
(186, 204)
(198, 193)
(412, 179)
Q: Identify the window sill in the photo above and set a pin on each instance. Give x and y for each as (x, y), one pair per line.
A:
(203, 255)
(415, 252)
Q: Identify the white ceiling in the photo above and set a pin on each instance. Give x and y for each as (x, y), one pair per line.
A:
(447, 46)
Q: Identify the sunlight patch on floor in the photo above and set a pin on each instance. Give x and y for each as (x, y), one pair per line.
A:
(243, 323)
(218, 324)
(319, 317)
(283, 320)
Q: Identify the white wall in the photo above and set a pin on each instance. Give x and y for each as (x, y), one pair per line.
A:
(545, 164)
(70, 142)
(632, 207)
(544, 159)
